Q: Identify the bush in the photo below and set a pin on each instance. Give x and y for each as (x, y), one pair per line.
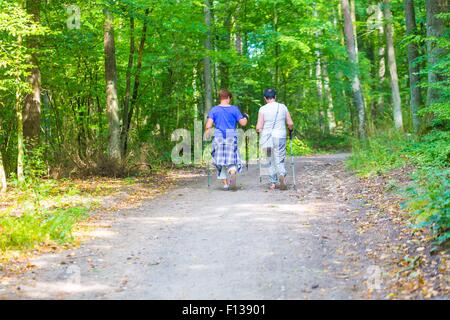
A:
(320, 144)
(429, 194)
(379, 154)
(430, 202)
(300, 147)
(32, 228)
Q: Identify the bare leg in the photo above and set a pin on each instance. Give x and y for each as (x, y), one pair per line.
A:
(223, 176)
(232, 171)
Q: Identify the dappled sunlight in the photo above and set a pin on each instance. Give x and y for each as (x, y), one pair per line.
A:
(101, 233)
(44, 290)
(154, 220)
(204, 243)
(98, 246)
(45, 260)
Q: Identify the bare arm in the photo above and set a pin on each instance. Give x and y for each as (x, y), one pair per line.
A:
(289, 121)
(208, 126)
(260, 123)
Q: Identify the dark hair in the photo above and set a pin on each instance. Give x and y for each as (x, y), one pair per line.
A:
(270, 93)
(225, 94)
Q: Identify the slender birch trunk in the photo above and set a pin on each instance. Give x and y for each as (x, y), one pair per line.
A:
(436, 28)
(207, 61)
(19, 116)
(413, 66)
(112, 102)
(329, 96)
(126, 102)
(392, 62)
(319, 80)
(356, 83)
(3, 184)
(32, 110)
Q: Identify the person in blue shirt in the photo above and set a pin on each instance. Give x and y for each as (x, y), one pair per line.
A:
(225, 151)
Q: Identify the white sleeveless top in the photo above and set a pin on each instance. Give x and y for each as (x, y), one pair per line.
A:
(269, 111)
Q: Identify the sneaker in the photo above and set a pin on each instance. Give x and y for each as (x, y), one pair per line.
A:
(283, 185)
(226, 188)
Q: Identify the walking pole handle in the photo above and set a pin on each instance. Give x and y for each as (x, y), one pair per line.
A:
(291, 131)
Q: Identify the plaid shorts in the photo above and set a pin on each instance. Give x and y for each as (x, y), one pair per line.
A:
(225, 152)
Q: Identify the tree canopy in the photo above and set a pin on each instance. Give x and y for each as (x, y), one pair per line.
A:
(344, 68)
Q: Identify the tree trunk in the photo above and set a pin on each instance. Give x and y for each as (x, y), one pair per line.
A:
(240, 18)
(207, 61)
(196, 93)
(397, 104)
(2, 176)
(319, 83)
(238, 41)
(32, 109)
(355, 31)
(19, 116)
(414, 69)
(330, 109)
(20, 142)
(381, 78)
(277, 45)
(352, 53)
(126, 102)
(225, 45)
(435, 29)
(112, 103)
(319, 86)
(136, 81)
(377, 20)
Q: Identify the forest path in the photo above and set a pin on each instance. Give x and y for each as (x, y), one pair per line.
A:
(200, 243)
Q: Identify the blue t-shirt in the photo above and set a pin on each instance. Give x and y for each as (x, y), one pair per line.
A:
(225, 120)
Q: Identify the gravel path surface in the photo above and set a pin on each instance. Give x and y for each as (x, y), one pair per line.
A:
(200, 243)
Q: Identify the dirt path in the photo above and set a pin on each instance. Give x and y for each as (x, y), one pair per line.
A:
(200, 243)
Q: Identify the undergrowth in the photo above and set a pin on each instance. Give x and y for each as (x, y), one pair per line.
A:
(429, 156)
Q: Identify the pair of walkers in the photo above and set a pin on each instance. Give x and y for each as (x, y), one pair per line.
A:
(271, 125)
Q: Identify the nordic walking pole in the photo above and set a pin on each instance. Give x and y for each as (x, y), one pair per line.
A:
(259, 159)
(246, 152)
(292, 159)
(208, 169)
(209, 173)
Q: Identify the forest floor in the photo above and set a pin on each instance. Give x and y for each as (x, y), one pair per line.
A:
(336, 237)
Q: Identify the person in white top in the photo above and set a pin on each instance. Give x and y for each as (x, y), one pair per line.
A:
(272, 120)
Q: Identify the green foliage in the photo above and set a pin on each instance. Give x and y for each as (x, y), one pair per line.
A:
(431, 150)
(320, 144)
(301, 148)
(379, 154)
(43, 214)
(392, 150)
(295, 46)
(429, 193)
(331, 143)
(430, 202)
(35, 164)
(15, 25)
(279, 43)
(32, 228)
